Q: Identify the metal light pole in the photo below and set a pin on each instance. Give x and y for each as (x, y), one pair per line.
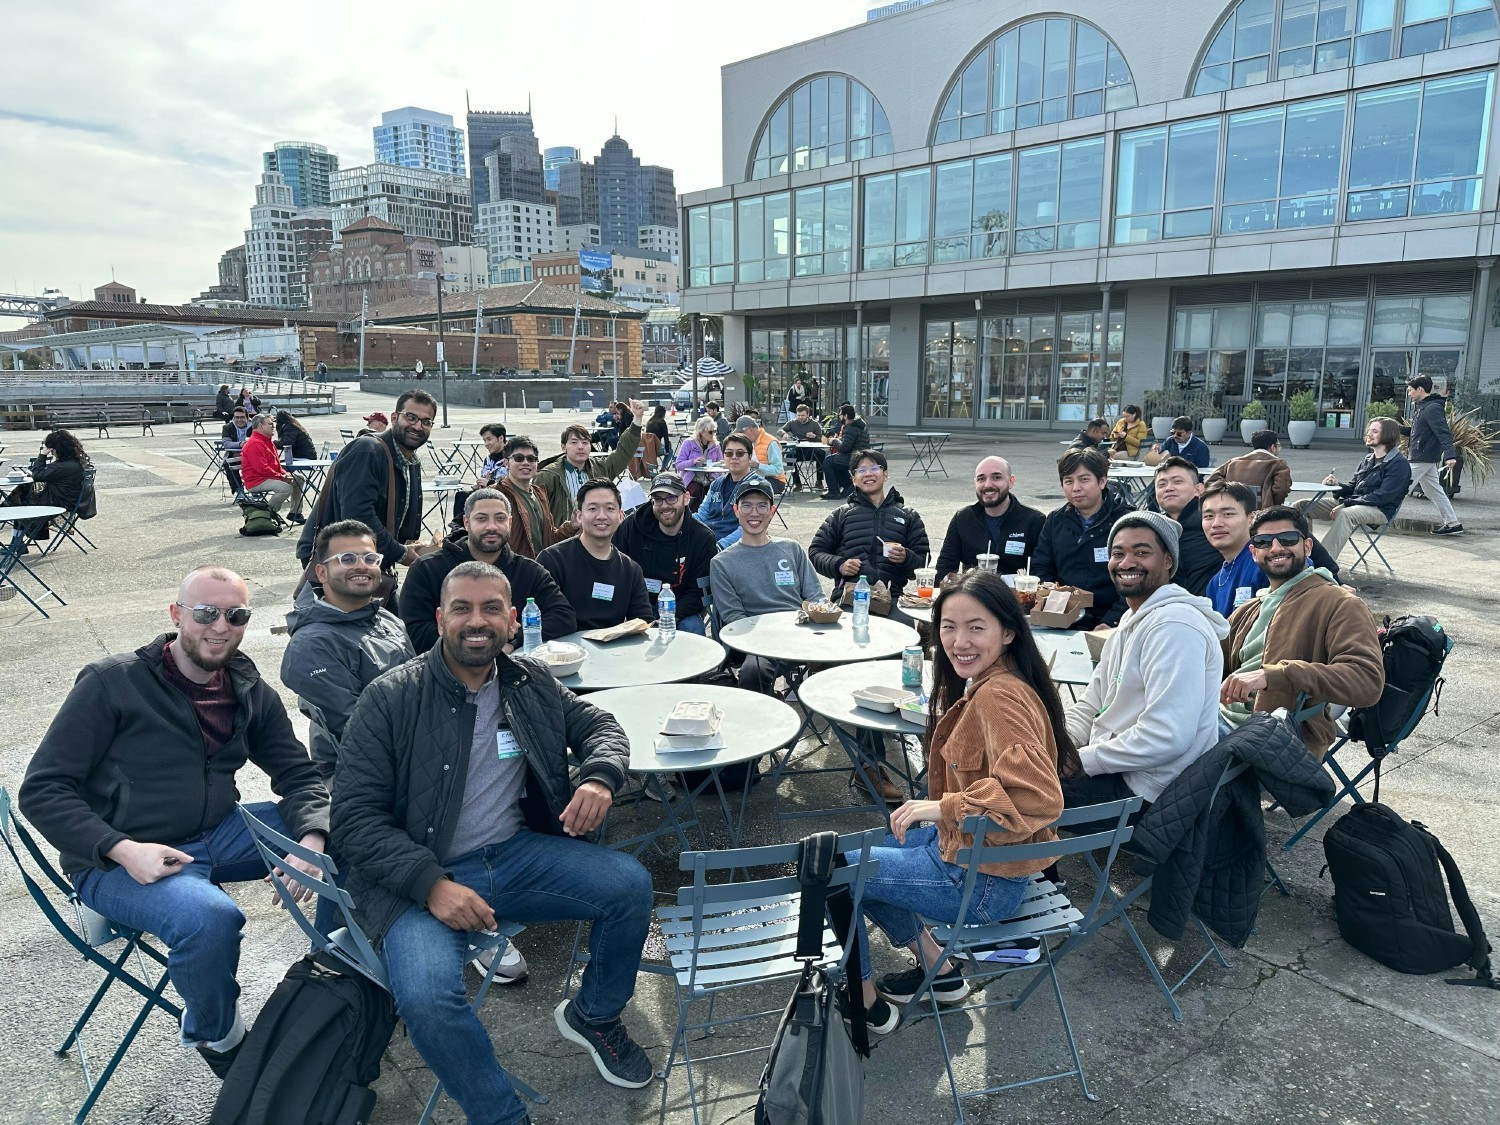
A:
(614, 341)
(364, 314)
(442, 338)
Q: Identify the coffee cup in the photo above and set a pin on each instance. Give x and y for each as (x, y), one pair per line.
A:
(1026, 587)
(990, 563)
(885, 547)
(926, 579)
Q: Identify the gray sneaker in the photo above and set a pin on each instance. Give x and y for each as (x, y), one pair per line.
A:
(620, 1060)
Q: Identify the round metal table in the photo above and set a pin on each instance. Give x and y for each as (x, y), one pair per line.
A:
(642, 660)
(10, 553)
(777, 636)
(1071, 665)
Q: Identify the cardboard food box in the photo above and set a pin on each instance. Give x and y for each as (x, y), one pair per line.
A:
(1058, 607)
(1095, 639)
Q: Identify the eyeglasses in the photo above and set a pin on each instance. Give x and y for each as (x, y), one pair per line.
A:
(524, 458)
(751, 508)
(867, 470)
(416, 419)
(1285, 538)
(349, 558)
(208, 614)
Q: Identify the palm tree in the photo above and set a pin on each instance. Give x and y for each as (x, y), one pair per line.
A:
(710, 328)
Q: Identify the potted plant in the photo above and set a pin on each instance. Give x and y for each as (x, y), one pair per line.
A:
(1213, 423)
(1302, 415)
(1161, 408)
(1382, 408)
(1252, 418)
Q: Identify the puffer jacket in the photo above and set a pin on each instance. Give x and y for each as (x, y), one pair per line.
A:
(400, 796)
(1211, 853)
(855, 530)
(1431, 441)
(1069, 553)
(1379, 482)
(331, 657)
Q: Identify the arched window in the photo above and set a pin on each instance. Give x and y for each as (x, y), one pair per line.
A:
(1261, 40)
(826, 120)
(1038, 72)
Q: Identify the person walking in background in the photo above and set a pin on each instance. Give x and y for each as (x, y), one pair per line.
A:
(1430, 450)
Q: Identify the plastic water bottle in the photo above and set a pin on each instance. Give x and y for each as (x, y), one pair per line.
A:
(862, 604)
(666, 614)
(531, 626)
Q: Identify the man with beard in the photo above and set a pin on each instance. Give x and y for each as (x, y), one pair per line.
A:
(531, 529)
(359, 486)
(1151, 705)
(1373, 496)
(604, 586)
(995, 524)
(1227, 507)
(134, 783)
(459, 811)
(488, 522)
(341, 641)
(672, 548)
(1302, 633)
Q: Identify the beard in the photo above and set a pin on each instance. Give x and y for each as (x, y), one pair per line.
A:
(984, 497)
(411, 440)
(453, 647)
(490, 542)
(342, 586)
(209, 660)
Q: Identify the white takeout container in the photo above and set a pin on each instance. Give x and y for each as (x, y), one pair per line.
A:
(913, 710)
(692, 717)
(880, 698)
(562, 658)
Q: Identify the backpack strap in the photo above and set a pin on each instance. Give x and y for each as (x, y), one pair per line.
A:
(815, 862)
(1479, 954)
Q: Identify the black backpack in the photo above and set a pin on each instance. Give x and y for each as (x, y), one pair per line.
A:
(1413, 649)
(1389, 899)
(313, 1052)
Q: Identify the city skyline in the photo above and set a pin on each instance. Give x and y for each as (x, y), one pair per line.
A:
(152, 175)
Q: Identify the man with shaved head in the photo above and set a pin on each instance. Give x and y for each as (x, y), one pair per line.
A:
(995, 524)
(134, 783)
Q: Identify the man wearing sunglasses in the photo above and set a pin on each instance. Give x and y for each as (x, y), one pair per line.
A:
(1185, 444)
(531, 528)
(563, 477)
(134, 783)
(359, 487)
(341, 641)
(1227, 507)
(1303, 633)
(717, 510)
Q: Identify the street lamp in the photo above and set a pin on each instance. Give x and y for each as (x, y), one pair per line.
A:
(614, 343)
(428, 275)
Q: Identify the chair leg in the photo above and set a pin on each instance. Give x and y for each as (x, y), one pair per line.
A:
(1062, 1010)
(109, 978)
(96, 1087)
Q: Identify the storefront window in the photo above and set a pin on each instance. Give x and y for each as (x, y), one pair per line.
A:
(1086, 387)
(1310, 346)
(1209, 347)
(868, 388)
(951, 352)
(1019, 356)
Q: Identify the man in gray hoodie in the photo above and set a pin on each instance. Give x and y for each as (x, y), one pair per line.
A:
(342, 640)
(1152, 705)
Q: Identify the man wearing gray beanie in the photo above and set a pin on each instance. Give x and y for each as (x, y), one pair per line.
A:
(1152, 704)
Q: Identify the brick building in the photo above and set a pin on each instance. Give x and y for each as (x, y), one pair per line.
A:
(372, 255)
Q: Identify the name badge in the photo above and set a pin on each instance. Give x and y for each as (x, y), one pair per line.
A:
(1242, 594)
(785, 578)
(506, 746)
(1101, 554)
(1015, 546)
(603, 592)
(653, 585)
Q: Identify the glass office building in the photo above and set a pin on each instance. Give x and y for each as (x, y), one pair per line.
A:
(1034, 219)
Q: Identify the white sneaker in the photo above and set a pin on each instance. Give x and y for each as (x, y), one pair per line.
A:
(512, 967)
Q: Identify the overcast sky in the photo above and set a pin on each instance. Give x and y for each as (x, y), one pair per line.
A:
(131, 132)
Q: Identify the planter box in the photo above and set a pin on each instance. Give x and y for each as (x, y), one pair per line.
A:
(1248, 427)
(1213, 429)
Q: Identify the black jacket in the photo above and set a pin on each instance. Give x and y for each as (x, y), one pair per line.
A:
(1381, 483)
(399, 798)
(231, 436)
(1211, 860)
(853, 436)
(420, 594)
(854, 531)
(124, 758)
(1431, 441)
(224, 404)
(1198, 560)
(357, 488)
(299, 441)
(64, 481)
(1067, 553)
(968, 537)
(679, 560)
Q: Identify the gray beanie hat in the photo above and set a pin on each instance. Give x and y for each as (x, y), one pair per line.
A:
(1168, 530)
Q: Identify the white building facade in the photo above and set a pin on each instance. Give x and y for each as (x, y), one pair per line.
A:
(270, 246)
(1046, 212)
(420, 138)
(515, 228)
(468, 266)
(424, 204)
(661, 242)
(579, 236)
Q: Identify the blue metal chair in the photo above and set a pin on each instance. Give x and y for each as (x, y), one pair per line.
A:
(88, 934)
(1371, 545)
(1045, 913)
(742, 932)
(348, 944)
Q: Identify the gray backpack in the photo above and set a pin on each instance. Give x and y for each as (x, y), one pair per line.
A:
(815, 1075)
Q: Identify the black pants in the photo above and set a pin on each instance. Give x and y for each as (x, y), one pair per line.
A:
(836, 472)
(1084, 790)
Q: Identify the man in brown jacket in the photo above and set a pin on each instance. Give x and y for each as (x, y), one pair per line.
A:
(531, 526)
(1262, 469)
(1303, 633)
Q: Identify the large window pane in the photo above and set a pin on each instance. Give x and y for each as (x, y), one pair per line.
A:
(1445, 320)
(1080, 195)
(1088, 59)
(1273, 325)
(721, 242)
(1385, 131)
(1455, 118)
(838, 232)
(1252, 157)
(1314, 147)
(1309, 324)
(1059, 51)
(1398, 321)
(809, 215)
(1252, 27)
(952, 211)
(778, 235)
(879, 221)
(752, 234)
(1346, 322)
(1139, 174)
(1192, 164)
(991, 217)
(913, 206)
(698, 246)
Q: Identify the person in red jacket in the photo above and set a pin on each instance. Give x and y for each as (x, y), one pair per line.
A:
(261, 470)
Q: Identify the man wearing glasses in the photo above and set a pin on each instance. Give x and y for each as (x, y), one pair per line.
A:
(359, 486)
(342, 640)
(531, 528)
(134, 783)
(717, 509)
(1302, 633)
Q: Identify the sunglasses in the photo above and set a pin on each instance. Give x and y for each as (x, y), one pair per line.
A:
(208, 614)
(1285, 538)
(735, 453)
(416, 419)
(349, 558)
(524, 458)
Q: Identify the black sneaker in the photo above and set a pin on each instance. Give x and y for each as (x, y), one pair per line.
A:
(881, 1018)
(295, 518)
(620, 1060)
(220, 1061)
(901, 988)
(1450, 529)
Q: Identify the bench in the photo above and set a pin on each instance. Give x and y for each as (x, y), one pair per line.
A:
(22, 416)
(102, 416)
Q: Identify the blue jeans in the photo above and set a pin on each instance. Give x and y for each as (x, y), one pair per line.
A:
(693, 623)
(199, 922)
(915, 882)
(529, 878)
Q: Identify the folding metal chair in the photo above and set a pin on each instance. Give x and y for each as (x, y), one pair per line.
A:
(742, 932)
(348, 944)
(68, 529)
(88, 933)
(1045, 913)
(1372, 537)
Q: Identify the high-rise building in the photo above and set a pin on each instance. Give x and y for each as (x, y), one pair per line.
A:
(579, 236)
(486, 127)
(631, 195)
(269, 250)
(305, 167)
(420, 138)
(312, 232)
(553, 159)
(423, 204)
(661, 241)
(577, 194)
(514, 169)
(515, 228)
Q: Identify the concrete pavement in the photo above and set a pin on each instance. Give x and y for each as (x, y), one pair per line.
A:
(1300, 1028)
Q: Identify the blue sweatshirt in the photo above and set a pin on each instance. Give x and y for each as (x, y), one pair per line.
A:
(1237, 581)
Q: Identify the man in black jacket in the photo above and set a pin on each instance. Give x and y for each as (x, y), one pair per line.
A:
(485, 538)
(995, 524)
(134, 783)
(852, 436)
(1074, 545)
(359, 485)
(1430, 450)
(671, 547)
(1373, 496)
(1176, 489)
(459, 812)
(875, 535)
(232, 436)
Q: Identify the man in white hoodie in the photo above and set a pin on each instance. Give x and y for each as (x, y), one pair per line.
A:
(1152, 705)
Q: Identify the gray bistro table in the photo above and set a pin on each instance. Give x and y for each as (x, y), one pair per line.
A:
(642, 660)
(10, 553)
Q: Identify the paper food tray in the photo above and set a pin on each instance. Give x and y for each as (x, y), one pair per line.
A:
(692, 718)
(688, 743)
(615, 632)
